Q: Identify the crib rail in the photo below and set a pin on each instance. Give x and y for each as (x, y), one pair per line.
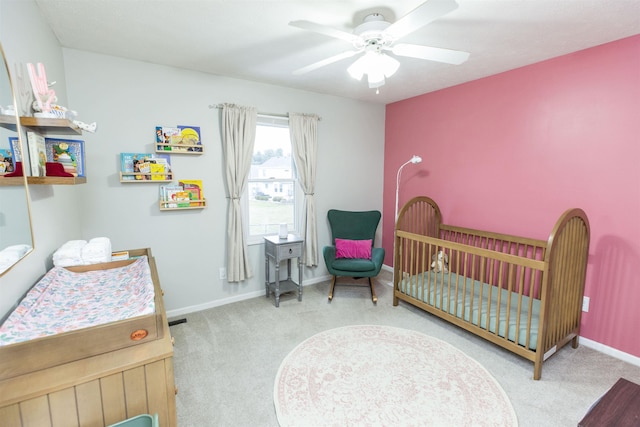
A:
(501, 299)
(499, 245)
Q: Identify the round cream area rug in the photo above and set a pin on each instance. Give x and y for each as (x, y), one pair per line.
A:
(383, 376)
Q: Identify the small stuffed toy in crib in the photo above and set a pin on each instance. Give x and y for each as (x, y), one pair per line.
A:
(440, 262)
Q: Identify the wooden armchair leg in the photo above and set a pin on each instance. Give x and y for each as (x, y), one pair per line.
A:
(333, 285)
(373, 292)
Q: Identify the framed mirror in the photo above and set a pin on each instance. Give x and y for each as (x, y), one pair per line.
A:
(16, 237)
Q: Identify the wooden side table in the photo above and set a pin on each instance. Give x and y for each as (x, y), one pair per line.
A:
(279, 250)
(620, 406)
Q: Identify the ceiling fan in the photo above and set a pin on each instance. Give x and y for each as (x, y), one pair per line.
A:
(376, 37)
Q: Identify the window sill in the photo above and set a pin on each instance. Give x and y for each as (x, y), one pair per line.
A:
(256, 241)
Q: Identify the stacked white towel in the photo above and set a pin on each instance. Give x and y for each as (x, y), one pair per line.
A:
(97, 250)
(81, 252)
(69, 254)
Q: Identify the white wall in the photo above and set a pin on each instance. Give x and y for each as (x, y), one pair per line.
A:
(55, 210)
(128, 99)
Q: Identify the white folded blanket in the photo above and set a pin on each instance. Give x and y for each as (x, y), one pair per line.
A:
(81, 252)
(97, 250)
(69, 254)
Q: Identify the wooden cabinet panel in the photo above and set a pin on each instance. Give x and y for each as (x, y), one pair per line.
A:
(10, 416)
(113, 398)
(60, 402)
(89, 404)
(157, 391)
(135, 391)
(35, 412)
(172, 391)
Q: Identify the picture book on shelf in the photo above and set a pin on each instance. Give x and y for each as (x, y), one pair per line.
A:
(178, 138)
(191, 137)
(119, 256)
(157, 171)
(182, 198)
(7, 164)
(167, 135)
(168, 195)
(37, 154)
(130, 164)
(145, 166)
(194, 188)
(16, 148)
(68, 152)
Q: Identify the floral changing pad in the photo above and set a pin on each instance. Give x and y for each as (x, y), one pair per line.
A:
(63, 301)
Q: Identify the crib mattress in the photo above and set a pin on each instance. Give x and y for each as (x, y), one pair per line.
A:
(472, 304)
(55, 323)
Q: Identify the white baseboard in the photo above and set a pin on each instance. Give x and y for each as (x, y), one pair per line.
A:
(626, 357)
(236, 298)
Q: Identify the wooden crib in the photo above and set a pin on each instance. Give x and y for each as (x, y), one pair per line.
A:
(522, 294)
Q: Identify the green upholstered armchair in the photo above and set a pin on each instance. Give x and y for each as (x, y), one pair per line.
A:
(353, 226)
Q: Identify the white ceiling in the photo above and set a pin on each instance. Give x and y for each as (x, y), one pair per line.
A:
(252, 40)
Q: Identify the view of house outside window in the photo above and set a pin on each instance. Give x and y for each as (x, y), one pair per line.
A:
(271, 187)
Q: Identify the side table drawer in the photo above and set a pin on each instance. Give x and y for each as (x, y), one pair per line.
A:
(292, 250)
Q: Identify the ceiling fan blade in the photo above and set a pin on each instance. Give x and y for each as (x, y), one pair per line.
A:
(420, 16)
(327, 31)
(327, 61)
(447, 56)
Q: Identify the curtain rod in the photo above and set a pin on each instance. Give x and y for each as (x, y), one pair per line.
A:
(274, 115)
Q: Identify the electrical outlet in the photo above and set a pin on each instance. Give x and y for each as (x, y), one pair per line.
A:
(223, 273)
(585, 304)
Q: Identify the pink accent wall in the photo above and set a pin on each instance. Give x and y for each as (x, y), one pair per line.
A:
(511, 152)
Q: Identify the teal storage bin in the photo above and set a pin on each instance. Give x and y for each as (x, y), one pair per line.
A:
(139, 421)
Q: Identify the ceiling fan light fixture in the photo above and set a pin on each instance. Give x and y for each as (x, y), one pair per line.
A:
(376, 66)
(375, 79)
(357, 69)
(387, 64)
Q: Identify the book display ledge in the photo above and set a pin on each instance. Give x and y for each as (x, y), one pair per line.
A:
(179, 148)
(192, 204)
(149, 178)
(46, 126)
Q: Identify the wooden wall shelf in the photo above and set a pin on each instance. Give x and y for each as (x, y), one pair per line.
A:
(164, 203)
(145, 177)
(43, 180)
(56, 180)
(45, 126)
(11, 181)
(179, 148)
(51, 126)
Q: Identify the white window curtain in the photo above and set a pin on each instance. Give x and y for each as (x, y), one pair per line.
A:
(238, 138)
(304, 139)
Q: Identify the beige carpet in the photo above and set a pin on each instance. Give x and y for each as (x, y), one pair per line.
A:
(382, 376)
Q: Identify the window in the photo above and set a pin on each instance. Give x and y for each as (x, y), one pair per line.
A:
(270, 197)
